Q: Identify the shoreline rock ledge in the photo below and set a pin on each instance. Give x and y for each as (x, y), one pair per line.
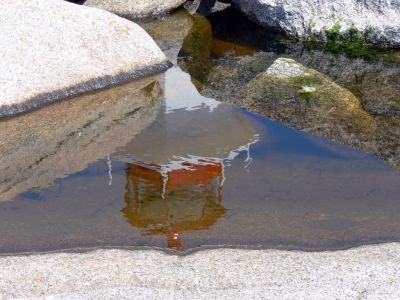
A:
(51, 50)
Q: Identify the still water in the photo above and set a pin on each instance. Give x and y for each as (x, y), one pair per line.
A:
(203, 173)
(157, 163)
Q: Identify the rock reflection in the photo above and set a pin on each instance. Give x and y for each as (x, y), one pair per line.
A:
(61, 139)
(172, 202)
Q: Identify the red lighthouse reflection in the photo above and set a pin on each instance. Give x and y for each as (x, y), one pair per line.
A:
(170, 200)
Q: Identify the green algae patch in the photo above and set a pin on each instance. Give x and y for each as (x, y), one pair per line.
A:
(352, 43)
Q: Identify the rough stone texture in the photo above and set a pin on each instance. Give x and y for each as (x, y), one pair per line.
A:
(369, 272)
(55, 49)
(307, 18)
(136, 8)
(63, 138)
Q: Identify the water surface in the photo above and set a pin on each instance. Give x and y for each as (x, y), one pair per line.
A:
(159, 163)
(206, 173)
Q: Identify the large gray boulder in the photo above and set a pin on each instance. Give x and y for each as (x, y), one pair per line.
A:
(311, 18)
(54, 49)
(136, 8)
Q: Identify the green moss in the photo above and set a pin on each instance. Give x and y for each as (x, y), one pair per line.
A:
(333, 34)
(352, 43)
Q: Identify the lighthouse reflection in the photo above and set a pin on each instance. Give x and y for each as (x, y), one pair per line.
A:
(175, 167)
(171, 200)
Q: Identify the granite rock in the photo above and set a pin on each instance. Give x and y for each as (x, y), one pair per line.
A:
(55, 49)
(379, 20)
(369, 272)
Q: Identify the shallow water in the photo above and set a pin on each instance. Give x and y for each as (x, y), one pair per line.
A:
(206, 173)
(161, 165)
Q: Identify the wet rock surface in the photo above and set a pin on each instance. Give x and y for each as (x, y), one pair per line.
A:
(54, 49)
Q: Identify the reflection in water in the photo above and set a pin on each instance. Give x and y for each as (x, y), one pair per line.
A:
(210, 175)
(175, 167)
(188, 125)
(172, 202)
(63, 138)
(190, 169)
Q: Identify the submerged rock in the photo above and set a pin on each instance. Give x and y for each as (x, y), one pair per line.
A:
(375, 82)
(377, 22)
(55, 49)
(381, 92)
(306, 99)
(136, 8)
(387, 139)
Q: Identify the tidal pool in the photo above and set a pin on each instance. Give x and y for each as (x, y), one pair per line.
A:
(203, 173)
(169, 162)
